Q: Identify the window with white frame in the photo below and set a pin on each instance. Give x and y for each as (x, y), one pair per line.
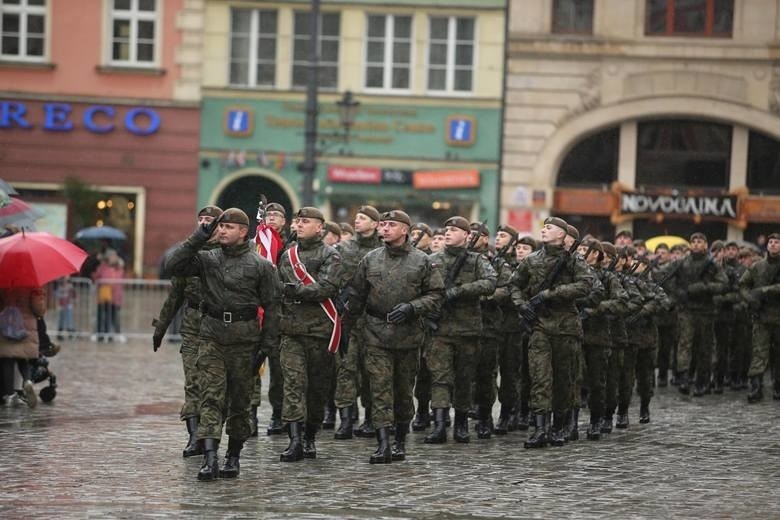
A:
(451, 54)
(329, 32)
(133, 29)
(253, 47)
(388, 52)
(23, 29)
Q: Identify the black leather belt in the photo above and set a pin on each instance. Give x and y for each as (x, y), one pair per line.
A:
(229, 316)
(376, 314)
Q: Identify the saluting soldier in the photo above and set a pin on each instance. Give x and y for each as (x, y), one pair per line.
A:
(235, 281)
(455, 347)
(310, 331)
(186, 292)
(395, 285)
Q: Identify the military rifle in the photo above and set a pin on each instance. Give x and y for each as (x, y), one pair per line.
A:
(418, 239)
(503, 251)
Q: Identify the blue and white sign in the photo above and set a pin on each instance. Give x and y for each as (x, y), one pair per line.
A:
(461, 130)
(239, 121)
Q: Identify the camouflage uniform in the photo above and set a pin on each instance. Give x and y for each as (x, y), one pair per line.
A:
(510, 354)
(235, 281)
(727, 350)
(668, 333)
(305, 329)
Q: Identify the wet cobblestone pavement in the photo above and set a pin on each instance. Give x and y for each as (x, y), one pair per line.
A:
(109, 446)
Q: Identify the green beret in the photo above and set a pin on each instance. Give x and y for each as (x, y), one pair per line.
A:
(661, 245)
(625, 233)
(396, 215)
(639, 243)
(439, 231)
(235, 216)
(732, 243)
(773, 236)
(481, 228)
(609, 249)
(310, 212)
(458, 222)
(594, 244)
(422, 226)
(572, 232)
(717, 245)
(369, 211)
(628, 251)
(698, 235)
(346, 228)
(332, 227)
(509, 229)
(529, 241)
(210, 211)
(557, 222)
(275, 206)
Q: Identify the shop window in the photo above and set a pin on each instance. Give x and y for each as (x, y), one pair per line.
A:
(133, 32)
(709, 18)
(388, 52)
(329, 32)
(253, 47)
(763, 173)
(572, 17)
(451, 45)
(592, 162)
(22, 29)
(683, 154)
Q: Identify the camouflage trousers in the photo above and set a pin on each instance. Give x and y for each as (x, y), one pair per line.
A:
(509, 362)
(766, 346)
(189, 358)
(577, 375)
(739, 364)
(550, 362)
(645, 372)
(596, 362)
(486, 372)
(725, 336)
(256, 397)
(307, 368)
(351, 378)
(422, 385)
(275, 380)
(695, 345)
(621, 371)
(452, 362)
(391, 374)
(524, 378)
(226, 376)
(667, 348)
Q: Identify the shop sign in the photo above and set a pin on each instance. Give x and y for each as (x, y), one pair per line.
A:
(446, 179)
(98, 119)
(461, 130)
(704, 206)
(239, 121)
(398, 177)
(354, 174)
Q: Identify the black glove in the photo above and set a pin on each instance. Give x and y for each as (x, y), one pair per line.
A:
(206, 230)
(526, 313)
(258, 360)
(157, 338)
(400, 313)
(537, 300)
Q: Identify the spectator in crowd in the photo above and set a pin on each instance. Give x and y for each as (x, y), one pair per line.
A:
(110, 296)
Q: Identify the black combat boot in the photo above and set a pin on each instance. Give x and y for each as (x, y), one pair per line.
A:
(461, 432)
(399, 446)
(439, 433)
(682, 382)
(194, 446)
(663, 381)
(422, 419)
(329, 419)
(594, 428)
(606, 424)
(621, 421)
(473, 412)
(367, 428)
(556, 436)
(383, 454)
(253, 416)
(345, 428)
(756, 389)
(210, 468)
(523, 419)
(538, 438)
(776, 388)
(717, 385)
(574, 430)
(231, 467)
(502, 426)
(294, 451)
(484, 428)
(644, 411)
(309, 435)
(275, 426)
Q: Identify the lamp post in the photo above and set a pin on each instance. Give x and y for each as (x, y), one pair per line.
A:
(348, 108)
(309, 165)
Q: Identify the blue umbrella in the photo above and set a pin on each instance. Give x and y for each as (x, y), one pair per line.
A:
(101, 233)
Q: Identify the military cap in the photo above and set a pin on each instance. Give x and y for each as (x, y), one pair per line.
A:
(275, 206)
(639, 243)
(699, 235)
(480, 227)
(397, 215)
(332, 227)
(572, 232)
(234, 216)
(310, 212)
(557, 222)
(629, 251)
(678, 247)
(731, 243)
(439, 231)
(609, 249)
(210, 211)
(745, 252)
(662, 245)
(529, 241)
(594, 244)
(369, 211)
(717, 245)
(506, 228)
(625, 233)
(458, 222)
(346, 228)
(773, 236)
(422, 226)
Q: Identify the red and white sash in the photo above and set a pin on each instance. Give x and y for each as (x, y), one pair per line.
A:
(327, 305)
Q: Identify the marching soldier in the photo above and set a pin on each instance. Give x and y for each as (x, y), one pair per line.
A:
(395, 285)
(522, 416)
(187, 292)
(455, 347)
(437, 241)
(728, 351)
(665, 320)
(310, 331)
(235, 282)
(421, 235)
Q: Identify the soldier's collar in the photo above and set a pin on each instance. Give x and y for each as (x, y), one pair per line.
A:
(403, 249)
(237, 249)
(310, 243)
(369, 240)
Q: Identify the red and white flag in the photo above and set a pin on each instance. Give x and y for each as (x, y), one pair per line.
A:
(268, 242)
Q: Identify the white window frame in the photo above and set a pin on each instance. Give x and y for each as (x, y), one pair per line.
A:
(135, 16)
(452, 27)
(254, 36)
(294, 63)
(387, 60)
(24, 10)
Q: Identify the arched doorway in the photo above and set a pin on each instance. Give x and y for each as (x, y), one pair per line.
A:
(244, 193)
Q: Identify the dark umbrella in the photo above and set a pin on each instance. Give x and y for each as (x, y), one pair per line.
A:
(34, 259)
(101, 233)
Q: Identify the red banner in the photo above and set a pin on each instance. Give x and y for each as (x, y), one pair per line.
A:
(354, 174)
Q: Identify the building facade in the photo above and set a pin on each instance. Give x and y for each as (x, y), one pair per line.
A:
(428, 78)
(106, 95)
(659, 116)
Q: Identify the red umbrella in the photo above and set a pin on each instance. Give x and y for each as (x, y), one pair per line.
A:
(13, 210)
(34, 259)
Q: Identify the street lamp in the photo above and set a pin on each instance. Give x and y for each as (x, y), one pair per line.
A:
(348, 108)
